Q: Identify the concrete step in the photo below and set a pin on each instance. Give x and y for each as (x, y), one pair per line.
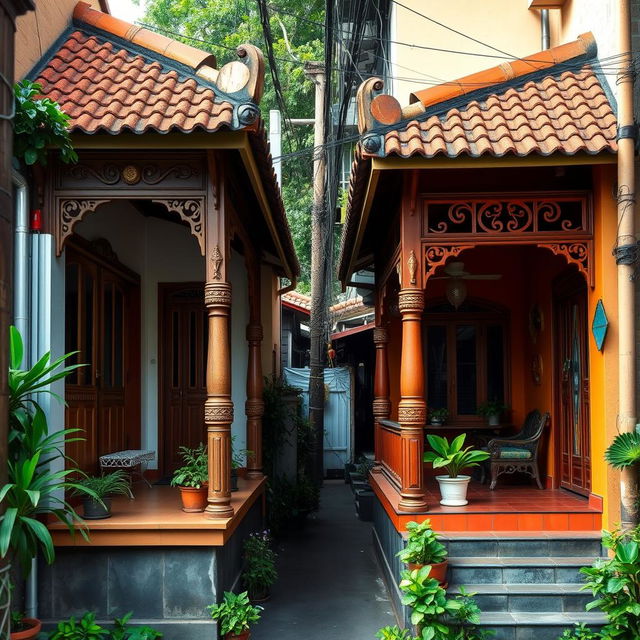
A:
(509, 546)
(533, 598)
(536, 626)
(517, 570)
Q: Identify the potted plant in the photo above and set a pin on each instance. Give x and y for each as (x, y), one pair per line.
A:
(453, 458)
(23, 628)
(192, 478)
(235, 614)
(259, 566)
(492, 410)
(237, 459)
(424, 548)
(438, 417)
(103, 486)
(394, 633)
(33, 490)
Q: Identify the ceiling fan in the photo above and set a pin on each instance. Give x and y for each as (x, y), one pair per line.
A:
(456, 275)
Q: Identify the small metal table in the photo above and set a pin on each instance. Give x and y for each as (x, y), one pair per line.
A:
(132, 460)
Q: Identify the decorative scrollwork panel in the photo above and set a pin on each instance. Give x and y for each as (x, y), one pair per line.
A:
(69, 212)
(191, 211)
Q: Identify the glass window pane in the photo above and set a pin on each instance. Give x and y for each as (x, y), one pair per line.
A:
(466, 372)
(437, 379)
(495, 363)
(71, 317)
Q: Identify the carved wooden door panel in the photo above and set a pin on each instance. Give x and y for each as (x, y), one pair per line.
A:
(183, 352)
(573, 379)
(102, 321)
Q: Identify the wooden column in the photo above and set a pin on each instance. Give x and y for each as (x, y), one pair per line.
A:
(254, 406)
(218, 408)
(412, 409)
(382, 401)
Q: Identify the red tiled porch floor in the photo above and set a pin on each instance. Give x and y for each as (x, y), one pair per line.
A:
(507, 508)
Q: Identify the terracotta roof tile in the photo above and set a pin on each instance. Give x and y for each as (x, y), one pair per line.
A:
(568, 113)
(106, 88)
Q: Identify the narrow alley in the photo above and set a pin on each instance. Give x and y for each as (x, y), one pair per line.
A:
(329, 584)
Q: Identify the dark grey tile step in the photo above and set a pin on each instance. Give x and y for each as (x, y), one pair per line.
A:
(516, 570)
(515, 546)
(536, 598)
(536, 626)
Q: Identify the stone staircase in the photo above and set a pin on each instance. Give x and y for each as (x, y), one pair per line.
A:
(528, 587)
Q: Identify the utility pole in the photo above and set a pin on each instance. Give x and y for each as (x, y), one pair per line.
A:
(319, 303)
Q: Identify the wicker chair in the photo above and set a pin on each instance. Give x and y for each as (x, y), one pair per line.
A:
(518, 452)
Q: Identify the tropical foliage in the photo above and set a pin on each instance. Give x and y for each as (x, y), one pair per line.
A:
(34, 488)
(624, 451)
(86, 628)
(452, 457)
(298, 37)
(194, 472)
(39, 124)
(259, 564)
(423, 545)
(109, 484)
(235, 613)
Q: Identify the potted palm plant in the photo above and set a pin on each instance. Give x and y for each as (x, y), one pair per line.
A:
(235, 615)
(453, 458)
(33, 490)
(192, 478)
(424, 548)
(104, 486)
(492, 410)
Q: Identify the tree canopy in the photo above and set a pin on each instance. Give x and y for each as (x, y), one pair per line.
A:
(297, 35)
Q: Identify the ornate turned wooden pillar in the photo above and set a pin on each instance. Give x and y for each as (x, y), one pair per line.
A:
(412, 408)
(254, 406)
(382, 401)
(218, 407)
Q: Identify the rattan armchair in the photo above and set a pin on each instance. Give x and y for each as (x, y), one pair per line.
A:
(518, 452)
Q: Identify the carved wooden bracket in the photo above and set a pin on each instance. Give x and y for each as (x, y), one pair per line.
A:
(578, 253)
(191, 211)
(70, 212)
(437, 255)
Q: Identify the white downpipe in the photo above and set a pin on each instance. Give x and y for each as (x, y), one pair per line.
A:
(546, 33)
(275, 142)
(21, 260)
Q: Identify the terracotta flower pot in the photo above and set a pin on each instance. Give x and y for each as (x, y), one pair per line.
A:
(438, 570)
(194, 500)
(27, 634)
(243, 636)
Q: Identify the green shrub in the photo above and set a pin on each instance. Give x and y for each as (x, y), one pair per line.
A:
(423, 546)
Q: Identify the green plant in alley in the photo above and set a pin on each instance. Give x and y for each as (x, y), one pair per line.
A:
(394, 633)
(194, 472)
(34, 489)
(624, 451)
(615, 584)
(423, 545)
(452, 456)
(38, 125)
(235, 614)
(464, 616)
(84, 629)
(122, 630)
(259, 571)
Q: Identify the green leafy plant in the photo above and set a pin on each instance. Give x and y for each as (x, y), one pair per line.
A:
(580, 632)
(259, 564)
(364, 465)
(38, 125)
(109, 484)
(428, 602)
(394, 633)
(122, 630)
(17, 621)
(624, 451)
(195, 471)
(423, 545)
(452, 457)
(438, 415)
(238, 456)
(235, 613)
(33, 490)
(464, 616)
(84, 629)
(491, 408)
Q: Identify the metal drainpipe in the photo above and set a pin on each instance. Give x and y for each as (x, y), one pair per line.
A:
(626, 257)
(21, 321)
(546, 34)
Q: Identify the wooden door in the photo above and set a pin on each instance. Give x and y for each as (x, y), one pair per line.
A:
(102, 319)
(182, 354)
(573, 380)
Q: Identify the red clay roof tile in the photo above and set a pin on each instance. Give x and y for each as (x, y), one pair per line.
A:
(106, 88)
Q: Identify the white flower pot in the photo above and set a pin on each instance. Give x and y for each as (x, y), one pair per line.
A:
(494, 420)
(453, 490)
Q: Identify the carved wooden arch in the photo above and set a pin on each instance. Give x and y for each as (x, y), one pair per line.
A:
(575, 252)
(70, 211)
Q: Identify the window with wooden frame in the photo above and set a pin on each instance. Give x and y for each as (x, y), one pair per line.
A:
(465, 354)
